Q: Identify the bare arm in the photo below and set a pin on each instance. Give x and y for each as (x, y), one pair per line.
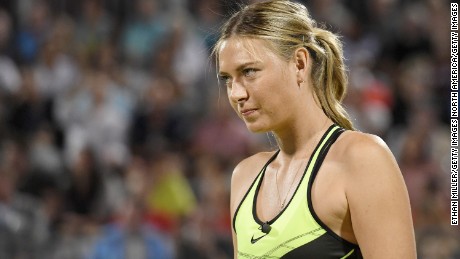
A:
(378, 201)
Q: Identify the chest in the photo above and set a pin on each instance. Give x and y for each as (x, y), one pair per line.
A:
(326, 191)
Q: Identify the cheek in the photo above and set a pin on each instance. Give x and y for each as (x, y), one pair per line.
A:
(268, 91)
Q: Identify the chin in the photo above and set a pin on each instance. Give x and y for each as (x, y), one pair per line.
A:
(256, 128)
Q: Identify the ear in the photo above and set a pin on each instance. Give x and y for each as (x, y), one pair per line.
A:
(301, 58)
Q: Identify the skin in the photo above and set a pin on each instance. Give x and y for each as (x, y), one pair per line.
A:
(359, 192)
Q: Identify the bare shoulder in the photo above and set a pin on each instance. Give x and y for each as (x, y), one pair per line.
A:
(356, 149)
(366, 160)
(355, 143)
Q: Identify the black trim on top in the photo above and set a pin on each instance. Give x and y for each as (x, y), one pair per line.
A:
(324, 247)
(318, 164)
(254, 206)
(262, 171)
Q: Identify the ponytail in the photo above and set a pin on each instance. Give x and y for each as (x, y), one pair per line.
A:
(329, 76)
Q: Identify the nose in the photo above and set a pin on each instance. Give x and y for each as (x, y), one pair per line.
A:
(237, 92)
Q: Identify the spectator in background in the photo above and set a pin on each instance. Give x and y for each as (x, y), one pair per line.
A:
(206, 232)
(24, 220)
(93, 28)
(169, 197)
(10, 78)
(95, 116)
(55, 72)
(207, 22)
(84, 207)
(132, 237)
(35, 28)
(144, 31)
(27, 109)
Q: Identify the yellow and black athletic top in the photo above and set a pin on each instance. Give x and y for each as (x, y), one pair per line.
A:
(296, 232)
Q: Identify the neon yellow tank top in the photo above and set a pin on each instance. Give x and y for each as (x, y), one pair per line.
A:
(296, 232)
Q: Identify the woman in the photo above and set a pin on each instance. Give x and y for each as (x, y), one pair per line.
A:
(329, 191)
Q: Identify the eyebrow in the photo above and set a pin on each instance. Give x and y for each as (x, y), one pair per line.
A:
(241, 67)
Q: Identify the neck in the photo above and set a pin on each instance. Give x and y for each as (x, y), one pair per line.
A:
(303, 132)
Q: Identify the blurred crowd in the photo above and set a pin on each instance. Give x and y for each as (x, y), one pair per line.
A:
(117, 142)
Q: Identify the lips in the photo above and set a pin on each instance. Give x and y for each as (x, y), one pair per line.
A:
(247, 112)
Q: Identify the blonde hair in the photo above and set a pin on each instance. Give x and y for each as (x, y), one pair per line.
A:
(287, 26)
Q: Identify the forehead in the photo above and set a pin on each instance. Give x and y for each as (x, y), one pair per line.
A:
(236, 51)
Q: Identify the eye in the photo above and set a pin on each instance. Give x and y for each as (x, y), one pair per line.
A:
(249, 72)
(224, 80)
